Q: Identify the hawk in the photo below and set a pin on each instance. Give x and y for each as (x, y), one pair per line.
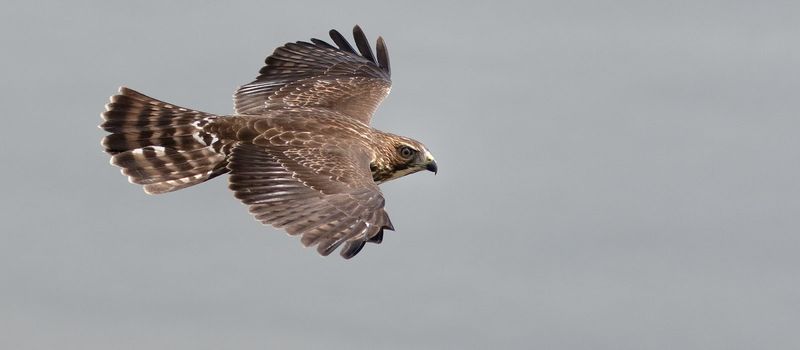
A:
(299, 147)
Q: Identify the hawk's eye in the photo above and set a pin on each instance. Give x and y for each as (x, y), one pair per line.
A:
(406, 152)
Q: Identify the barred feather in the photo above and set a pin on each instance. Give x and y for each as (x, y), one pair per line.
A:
(159, 145)
(318, 74)
(299, 147)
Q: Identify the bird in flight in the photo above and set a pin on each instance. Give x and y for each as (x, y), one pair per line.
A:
(299, 147)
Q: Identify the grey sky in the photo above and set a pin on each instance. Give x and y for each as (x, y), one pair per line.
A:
(613, 175)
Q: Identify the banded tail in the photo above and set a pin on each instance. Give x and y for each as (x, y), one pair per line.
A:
(159, 145)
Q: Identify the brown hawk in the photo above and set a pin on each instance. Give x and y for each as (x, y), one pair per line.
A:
(299, 148)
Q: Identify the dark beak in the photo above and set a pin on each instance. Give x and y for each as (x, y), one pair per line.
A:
(432, 167)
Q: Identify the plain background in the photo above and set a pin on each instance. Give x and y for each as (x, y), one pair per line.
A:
(613, 175)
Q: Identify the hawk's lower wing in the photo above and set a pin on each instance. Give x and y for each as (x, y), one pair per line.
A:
(327, 197)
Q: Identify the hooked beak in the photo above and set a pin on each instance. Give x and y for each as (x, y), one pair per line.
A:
(432, 166)
(430, 163)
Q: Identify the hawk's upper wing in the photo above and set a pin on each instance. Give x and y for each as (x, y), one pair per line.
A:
(326, 195)
(318, 74)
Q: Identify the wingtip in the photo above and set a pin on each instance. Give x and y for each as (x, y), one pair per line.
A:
(363, 44)
(377, 238)
(351, 249)
(340, 41)
(388, 225)
(322, 43)
(383, 55)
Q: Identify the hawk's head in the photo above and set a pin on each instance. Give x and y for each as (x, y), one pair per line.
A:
(399, 156)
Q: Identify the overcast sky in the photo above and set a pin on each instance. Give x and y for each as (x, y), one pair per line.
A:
(612, 175)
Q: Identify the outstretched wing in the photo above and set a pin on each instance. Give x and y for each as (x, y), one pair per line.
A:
(317, 74)
(324, 195)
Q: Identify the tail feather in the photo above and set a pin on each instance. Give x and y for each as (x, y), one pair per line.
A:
(159, 145)
(180, 137)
